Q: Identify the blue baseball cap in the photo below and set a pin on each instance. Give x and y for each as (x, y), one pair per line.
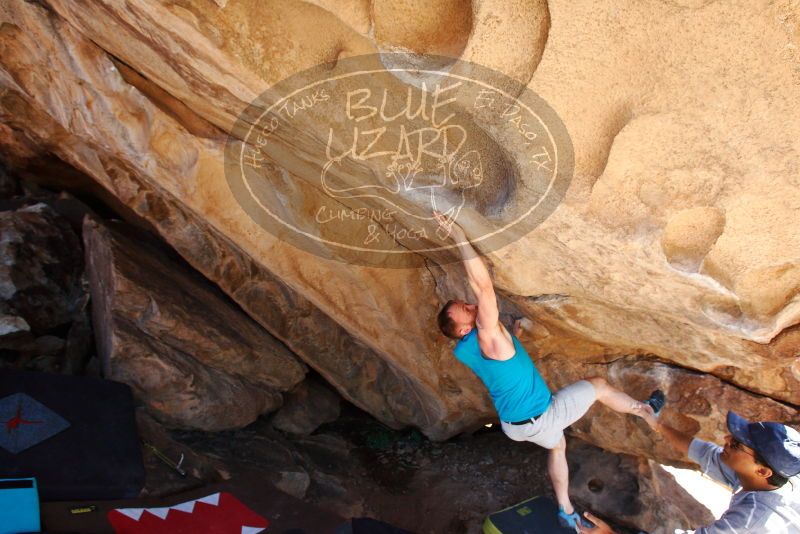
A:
(777, 444)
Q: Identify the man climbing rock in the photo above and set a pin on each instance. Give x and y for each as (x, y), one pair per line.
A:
(759, 462)
(527, 410)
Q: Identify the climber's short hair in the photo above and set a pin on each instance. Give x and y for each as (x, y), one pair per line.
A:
(446, 323)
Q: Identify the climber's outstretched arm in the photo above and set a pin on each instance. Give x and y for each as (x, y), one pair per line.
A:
(680, 441)
(478, 276)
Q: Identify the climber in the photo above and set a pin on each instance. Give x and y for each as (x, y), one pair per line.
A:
(527, 410)
(758, 462)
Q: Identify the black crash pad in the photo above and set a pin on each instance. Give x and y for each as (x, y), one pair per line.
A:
(76, 435)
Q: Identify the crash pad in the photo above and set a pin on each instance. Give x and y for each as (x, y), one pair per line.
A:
(76, 435)
(537, 515)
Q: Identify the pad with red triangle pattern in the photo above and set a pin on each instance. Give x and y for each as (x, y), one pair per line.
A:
(218, 513)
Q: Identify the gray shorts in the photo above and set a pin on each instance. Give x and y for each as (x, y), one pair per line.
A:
(567, 406)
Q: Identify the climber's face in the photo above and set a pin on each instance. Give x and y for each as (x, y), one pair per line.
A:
(463, 315)
(739, 457)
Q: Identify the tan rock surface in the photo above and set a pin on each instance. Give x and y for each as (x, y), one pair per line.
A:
(191, 356)
(417, 25)
(673, 107)
(690, 234)
(306, 407)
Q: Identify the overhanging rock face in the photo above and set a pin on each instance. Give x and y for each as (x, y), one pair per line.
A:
(676, 241)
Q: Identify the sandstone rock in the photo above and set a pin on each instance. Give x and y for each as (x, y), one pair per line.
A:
(247, 450)
(696, 404)
(417, 25)
(9, 185)
(41, 267)
(356, 13)
(44, 353)
(639, 87)
(20, 349)
(80, 344)
(295, 483)
(161, 480)
(306, 407)
(189, 354)
(48, 345)
(631, 490)
(12, 327)
(690, 234)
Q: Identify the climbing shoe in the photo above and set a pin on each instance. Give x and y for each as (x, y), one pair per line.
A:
(656, 401)
(571, 520)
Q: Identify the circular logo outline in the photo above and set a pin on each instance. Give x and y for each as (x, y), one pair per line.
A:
(561, 173)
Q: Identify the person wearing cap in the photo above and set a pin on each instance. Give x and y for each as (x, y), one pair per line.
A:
(759, 462)
(527, 410)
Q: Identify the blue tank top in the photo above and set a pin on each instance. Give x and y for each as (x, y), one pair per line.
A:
(517, 389)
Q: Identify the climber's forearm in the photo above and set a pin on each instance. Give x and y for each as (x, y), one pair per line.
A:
(477, 273)
(680, 441)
